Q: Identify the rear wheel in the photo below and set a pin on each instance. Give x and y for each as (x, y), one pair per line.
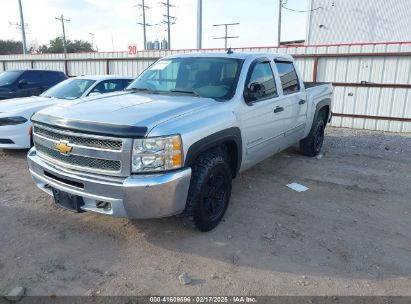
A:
(209, 192)
(312, 144)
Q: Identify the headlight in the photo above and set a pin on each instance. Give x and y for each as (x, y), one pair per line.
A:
(157, 154)
(7, 121)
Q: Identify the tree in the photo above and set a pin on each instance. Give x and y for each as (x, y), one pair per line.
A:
(56, 46)
(8, 47)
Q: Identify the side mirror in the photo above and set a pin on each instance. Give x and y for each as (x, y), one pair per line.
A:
(253, 92)
(22, 82)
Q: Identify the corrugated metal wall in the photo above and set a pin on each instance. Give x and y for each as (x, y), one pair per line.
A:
(385, 105)
(369, 21)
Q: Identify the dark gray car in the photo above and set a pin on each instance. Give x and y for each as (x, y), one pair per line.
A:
(23, 83)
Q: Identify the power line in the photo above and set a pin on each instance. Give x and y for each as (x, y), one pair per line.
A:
(226, 37)
(169, 21)
(64, 31)
(300, 11)
(144, 24)
(282, 6)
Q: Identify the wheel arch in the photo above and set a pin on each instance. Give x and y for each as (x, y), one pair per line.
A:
(229, 139)
(323, 106)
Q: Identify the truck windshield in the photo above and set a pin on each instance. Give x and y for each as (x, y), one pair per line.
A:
(9, 77)
(213, 77)
(69, 89)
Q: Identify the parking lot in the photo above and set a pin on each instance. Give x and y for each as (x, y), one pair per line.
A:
(349, 234)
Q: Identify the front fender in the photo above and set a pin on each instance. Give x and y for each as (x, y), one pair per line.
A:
(232, 134)
(202, 130)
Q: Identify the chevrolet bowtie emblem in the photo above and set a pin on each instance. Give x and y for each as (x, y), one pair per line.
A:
(63, 147)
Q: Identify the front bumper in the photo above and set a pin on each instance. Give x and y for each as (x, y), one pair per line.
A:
(139, 196)
(15, 136)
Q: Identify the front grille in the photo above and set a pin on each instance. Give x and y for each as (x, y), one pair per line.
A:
(64, 180)
(80, 161)
(80, 141)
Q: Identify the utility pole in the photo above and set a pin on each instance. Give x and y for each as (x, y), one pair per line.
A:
(23, 32)
(226, 37)
(169, 20)
(144, 24)
(64, 31)
(280, 7)
(199, 22)
(92, 39)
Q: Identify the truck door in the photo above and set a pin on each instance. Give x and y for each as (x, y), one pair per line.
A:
(295, 100)
(263, 125)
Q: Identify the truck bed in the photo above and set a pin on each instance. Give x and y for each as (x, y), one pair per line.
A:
(309, 85)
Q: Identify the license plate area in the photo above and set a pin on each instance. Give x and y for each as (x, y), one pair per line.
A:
(68, 201)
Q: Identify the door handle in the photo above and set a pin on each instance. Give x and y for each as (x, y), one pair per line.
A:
(302, 101)
(278, 109)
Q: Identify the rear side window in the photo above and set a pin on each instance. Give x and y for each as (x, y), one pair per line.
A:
(262, 77)
(53, 77)
(113, 85)
(288, 76)
(121, 84)
(32, 77)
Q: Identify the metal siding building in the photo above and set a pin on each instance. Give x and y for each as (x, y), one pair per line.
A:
(358, 21)
(372, 82)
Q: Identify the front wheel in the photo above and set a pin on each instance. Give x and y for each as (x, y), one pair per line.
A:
(312, 144)
(209, 193)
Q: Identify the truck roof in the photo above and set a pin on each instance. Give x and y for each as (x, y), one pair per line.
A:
(237, 55)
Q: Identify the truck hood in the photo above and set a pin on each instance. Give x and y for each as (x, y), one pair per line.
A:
(111, 113)
(26, 105)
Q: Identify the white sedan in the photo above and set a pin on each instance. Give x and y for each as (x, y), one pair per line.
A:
(15, 114)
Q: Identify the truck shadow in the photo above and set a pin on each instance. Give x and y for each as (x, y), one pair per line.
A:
(340, 227)
(353, 222)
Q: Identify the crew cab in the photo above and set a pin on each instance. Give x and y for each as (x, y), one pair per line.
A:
(174, 140)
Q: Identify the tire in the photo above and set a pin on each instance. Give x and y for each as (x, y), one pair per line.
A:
(209, 192)
(312, 144)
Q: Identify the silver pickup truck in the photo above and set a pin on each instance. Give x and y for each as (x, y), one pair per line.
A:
(172, 142)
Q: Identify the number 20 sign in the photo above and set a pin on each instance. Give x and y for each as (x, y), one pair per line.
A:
(132, 49)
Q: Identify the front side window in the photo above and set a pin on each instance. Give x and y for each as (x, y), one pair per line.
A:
(212, 77)
(288, 76)
(69, 89)
(261, 82)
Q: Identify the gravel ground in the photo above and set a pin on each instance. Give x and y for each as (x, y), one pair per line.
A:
(349, 234)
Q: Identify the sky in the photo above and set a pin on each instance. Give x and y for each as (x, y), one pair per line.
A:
(114, 22)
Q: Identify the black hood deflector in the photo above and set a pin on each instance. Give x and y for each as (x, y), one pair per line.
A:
(90, 127)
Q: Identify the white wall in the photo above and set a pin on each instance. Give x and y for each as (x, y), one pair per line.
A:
(359, 21)
(370, 101)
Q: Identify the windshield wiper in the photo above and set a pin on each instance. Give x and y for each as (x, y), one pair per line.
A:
(192, 92)
(139, 90)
